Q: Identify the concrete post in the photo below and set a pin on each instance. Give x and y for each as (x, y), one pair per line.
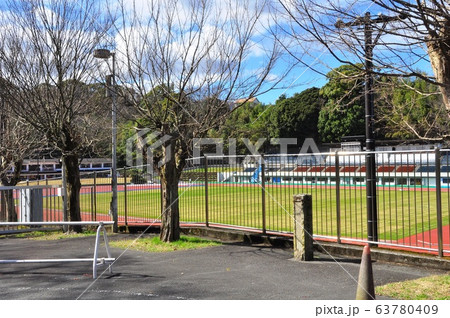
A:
(303, 241)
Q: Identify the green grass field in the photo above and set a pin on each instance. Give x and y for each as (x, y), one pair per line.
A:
(436, 287)
(402, 212)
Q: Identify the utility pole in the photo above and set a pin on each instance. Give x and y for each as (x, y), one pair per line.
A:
(369, 43)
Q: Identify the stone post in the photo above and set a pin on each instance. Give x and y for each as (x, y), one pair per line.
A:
(303, 241)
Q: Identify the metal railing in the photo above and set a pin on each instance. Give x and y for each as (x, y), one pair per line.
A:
(29, 204)
(255, 193)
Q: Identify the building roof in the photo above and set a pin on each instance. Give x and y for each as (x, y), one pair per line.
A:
(252, 100)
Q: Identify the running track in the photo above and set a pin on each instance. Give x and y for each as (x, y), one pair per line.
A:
(426, 240)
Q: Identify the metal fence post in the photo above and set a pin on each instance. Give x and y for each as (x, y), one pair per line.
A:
(47, 200)
(303, 227)
(371, 195)
(92, 202)
(125, 195)
(95, 196)
(161, 196)
(64, 194)
(338, 198)
(263, 194)
(206, 192)
(439, 202)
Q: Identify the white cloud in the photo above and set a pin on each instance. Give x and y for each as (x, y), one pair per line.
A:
(207, 42)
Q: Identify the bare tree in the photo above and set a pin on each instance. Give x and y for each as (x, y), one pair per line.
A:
(186, 61)
(427, 22)
(17, 139)
(407, 37)
(46, 53)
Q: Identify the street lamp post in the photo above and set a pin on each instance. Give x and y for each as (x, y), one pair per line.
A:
(111, 81)
(371, 195)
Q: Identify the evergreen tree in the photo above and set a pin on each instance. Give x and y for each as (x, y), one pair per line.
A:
(343, 113)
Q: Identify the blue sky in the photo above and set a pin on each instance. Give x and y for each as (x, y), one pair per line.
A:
(305, 79)
(302, 77)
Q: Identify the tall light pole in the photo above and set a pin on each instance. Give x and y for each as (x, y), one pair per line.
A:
(369, 43)
(111, 82)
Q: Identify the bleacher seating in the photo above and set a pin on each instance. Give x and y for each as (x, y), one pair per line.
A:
(426, 169)
(406, 168)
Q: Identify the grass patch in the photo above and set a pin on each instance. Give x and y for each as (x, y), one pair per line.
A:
(53, 236)
(154, 244)
(428, 288)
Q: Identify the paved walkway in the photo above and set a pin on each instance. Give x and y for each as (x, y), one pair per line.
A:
(230, 271)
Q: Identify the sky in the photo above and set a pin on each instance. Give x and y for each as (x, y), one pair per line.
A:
(291, 84)
(299, 79)
(305, 79)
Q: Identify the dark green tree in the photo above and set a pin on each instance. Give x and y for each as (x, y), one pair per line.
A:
(410, 109)
(297, 116)
(250, 122)
(343, 113)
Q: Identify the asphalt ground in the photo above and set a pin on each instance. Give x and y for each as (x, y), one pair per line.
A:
(231, 271)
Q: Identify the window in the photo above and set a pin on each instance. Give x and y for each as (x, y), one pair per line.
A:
(33, 168)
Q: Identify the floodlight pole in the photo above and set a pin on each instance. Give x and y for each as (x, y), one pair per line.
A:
(371, 182)
(106, 54)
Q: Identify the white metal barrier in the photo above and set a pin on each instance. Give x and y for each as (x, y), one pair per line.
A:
(96, 261)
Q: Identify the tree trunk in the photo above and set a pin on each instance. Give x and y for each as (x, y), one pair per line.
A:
(441, 68)
(170, 218)
(8, 205)
(3, 208)
(72, 172)
(440, 62)
(170, 173)
(11, 215)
